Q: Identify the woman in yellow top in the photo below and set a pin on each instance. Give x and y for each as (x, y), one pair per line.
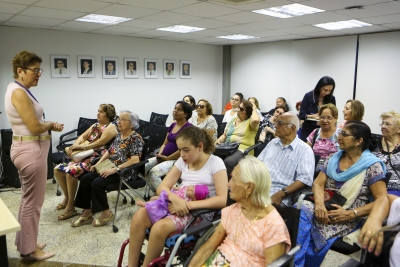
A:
(242, 130)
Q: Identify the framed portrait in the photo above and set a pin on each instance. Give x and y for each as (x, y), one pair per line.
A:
(169, 68)
(186, 69)
(86, 67)
(150, 66)
(59, 66)
(131, 69)
(110, 67)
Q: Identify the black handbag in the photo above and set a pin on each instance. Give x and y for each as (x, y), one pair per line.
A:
(331, 197)
(226, 149)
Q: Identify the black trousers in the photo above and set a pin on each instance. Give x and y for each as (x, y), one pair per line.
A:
(92, 191)
(231, 161)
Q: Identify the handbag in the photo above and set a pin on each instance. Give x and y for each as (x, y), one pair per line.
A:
(226, 149)
(330, 197)
(79, 155)
(104, 165)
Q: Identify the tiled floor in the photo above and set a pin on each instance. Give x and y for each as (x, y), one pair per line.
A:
(87, 245)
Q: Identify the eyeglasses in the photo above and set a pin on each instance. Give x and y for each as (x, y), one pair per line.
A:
(235, 99)
(241, 109)
(281, 123)
(122, 120)
(344, 134)
(329, 118)
(386, 124)
(36, 70)
(200, 106)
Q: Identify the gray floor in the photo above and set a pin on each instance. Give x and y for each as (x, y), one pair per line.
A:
(87, 245)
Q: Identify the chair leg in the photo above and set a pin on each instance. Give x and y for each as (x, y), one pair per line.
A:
(115, 228)
(58, 192)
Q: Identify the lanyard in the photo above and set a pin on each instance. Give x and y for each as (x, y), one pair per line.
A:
(29, 92)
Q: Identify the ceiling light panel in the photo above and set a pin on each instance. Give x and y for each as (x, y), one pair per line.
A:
(237, 37)
(340, 25)
(181, 29)
(288, 11)
(103, 19)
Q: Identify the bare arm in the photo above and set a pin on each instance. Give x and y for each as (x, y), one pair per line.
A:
(274, 252)
(254, 119)
(290, 189)
(321, 213)
(208, 248)
(221, 139)
(109, 133)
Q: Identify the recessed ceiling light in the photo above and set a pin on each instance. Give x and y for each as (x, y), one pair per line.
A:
(345, 24)
(288, 11)
(103, 19)
(181, 29)
(237, 37)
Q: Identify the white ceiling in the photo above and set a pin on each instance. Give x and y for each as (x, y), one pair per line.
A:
(219, 18)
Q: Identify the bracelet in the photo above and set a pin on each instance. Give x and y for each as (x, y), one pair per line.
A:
(355, 212)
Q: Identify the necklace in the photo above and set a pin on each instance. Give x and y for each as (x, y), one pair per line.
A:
(239, 219)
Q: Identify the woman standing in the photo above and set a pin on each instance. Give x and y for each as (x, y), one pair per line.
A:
(312, 102)
(204, 119)
(232, 113)
(31, 143)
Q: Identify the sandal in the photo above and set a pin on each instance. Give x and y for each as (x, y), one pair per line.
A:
(102, 221)
(82, 221)
(65, 216)
(61, 206)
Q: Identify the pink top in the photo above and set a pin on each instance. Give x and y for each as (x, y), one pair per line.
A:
(17, 125)
(252, 237)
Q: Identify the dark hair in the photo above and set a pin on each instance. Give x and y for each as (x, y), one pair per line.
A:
(298, 105)
(192, 101)
(186, 108)
(240, 95)
(109, 109)
(357, 110)
(208, 106)
(248, 107)
(196, 135)
(326, 80)
(282, 107)
(286, 108)
(361, 130)
(23, 60)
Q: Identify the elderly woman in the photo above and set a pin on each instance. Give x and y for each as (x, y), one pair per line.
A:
(100, 136)
(204, 119)
(312, 102)
(356, 174)
(388, 149)
(161, 164)
(125, 151)
(254, 101)
(30, 144)
(251, 232)
(280, 102)
(243, 130)
(236, 99)
(352, 111)
(196, 165)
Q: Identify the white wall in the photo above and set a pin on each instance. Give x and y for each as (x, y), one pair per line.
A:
(67, 99)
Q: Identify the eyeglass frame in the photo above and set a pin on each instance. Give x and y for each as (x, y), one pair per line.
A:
(344, 135)
(281, 123)
(200, 106)
(122, 120)
(241, 109)
(329, 118)
(36, 70)
(386, 124)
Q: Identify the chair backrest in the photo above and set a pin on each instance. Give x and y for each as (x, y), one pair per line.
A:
(221, 128)
(145, 152)
(264, 113)
(218, 117)
(157, 136)
(159, 119)
(145, 128)
(291, 216)
(84, 124)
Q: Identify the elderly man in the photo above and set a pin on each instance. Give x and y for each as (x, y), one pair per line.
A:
(290, 161)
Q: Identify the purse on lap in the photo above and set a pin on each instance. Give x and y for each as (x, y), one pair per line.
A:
(330, 197)
(226, 149)
(104, 165)
(79, 155)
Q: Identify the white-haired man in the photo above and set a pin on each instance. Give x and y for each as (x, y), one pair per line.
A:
(290, 161)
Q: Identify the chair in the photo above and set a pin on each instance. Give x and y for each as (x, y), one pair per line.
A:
(157, 136)
(145, 128)
(159, 119)
(218, 117)
(221, 128)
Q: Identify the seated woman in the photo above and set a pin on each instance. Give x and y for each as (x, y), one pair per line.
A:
(388, 149)
(371, 235)
(228, 105)
(280, 102)
(232, 113)
(190, 100)
(268, 124)
(251, 231)
(324, 140)
(100, 136)
(125, 151)
(254, 101)
(160, 165)
(352, 111)
(242, 130)
(204, 119)
(357, 175)
(196, 165)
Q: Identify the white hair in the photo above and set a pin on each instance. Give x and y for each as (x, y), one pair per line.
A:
(133, 118)
(293, 119)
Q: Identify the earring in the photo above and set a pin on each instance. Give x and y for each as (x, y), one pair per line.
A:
(247, 195)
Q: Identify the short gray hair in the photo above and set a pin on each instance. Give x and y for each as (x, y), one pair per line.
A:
(133, 117)
(293, 119)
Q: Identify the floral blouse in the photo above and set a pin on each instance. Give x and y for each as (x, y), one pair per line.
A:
(324, 146)
(209, 124)
(121, 151)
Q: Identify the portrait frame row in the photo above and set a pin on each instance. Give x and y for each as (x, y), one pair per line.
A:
(59, 66)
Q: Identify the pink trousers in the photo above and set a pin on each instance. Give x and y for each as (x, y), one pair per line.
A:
(30, 158)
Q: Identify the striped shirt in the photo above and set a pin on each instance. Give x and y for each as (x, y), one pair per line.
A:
(294, 162)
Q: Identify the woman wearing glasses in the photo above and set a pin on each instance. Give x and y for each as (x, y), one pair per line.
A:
(388, 149)
(232, 113)
(30, 146)
(243, 130)
(203, 118)
(357, 175)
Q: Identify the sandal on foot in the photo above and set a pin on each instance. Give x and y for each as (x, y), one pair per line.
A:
(61, 206)
(82, 221)
(31, 257)
(102, 221)
(65, 216)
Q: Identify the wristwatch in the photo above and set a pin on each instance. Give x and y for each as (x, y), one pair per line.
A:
(284, 191)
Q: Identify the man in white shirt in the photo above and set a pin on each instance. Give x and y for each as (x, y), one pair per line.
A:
(131, 68)
(151, 70)
(60, 70)
(86, 68)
